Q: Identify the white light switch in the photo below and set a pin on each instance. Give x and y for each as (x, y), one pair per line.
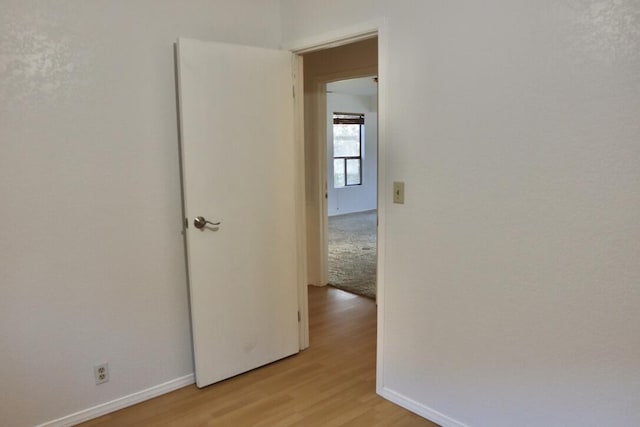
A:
(398, 192)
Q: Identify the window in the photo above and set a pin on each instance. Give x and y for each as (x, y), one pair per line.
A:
(348, 130)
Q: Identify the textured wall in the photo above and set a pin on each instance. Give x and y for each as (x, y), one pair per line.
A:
(91, 255)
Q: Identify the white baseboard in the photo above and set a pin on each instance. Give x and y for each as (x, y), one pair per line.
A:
(420, 409)
(122, 402)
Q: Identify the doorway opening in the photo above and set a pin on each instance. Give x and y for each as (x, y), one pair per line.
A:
(352, 170)
(323, 68)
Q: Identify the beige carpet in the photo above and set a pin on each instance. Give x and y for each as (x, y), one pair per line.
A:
(352, 253)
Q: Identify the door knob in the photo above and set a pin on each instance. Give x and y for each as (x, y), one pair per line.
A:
(200, 222)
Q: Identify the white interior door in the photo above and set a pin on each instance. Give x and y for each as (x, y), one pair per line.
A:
(238, 168)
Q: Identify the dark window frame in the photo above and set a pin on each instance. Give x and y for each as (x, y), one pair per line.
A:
(349, 119)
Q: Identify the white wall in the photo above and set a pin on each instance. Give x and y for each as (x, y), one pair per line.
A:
(91, 251)
(511, 277)
(363, 197)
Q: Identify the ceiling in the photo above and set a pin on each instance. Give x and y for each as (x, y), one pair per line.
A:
(361, 86)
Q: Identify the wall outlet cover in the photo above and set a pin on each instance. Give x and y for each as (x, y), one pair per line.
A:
(101, 373)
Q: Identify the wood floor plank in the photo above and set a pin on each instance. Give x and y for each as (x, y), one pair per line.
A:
(330, 384)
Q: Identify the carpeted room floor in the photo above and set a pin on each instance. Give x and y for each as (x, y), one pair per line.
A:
(352, 252)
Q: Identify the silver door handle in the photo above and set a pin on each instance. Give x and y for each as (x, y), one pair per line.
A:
(200, 222)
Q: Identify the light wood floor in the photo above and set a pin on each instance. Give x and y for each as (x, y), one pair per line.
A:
(330, 384)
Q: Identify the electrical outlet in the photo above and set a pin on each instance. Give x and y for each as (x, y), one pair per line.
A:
(101, 373)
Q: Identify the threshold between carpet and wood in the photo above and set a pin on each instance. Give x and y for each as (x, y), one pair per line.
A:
(352, 255)
(332, 383)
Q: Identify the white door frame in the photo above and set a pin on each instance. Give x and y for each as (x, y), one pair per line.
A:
(301, 216)
(324, 41)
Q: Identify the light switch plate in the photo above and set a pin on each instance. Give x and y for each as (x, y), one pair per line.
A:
(398, 192)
